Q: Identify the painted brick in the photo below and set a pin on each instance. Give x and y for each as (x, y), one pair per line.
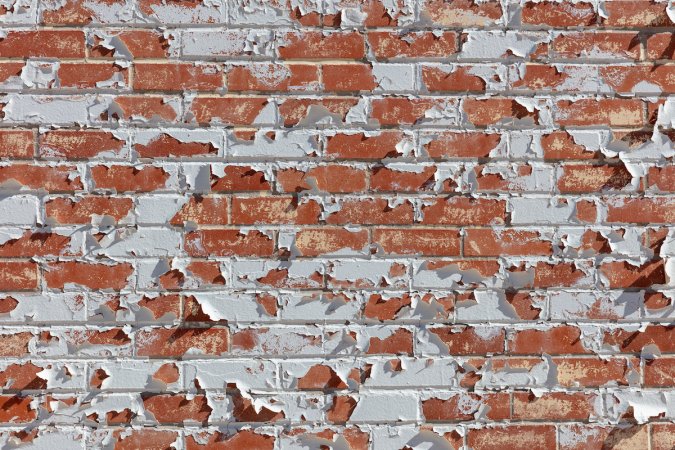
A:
(358, 224)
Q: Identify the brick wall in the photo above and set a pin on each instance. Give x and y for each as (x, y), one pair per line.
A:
(347, 224)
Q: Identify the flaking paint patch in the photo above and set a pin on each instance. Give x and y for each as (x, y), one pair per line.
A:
(497, 44)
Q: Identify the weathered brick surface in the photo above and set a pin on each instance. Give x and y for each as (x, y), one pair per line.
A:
(348, 224)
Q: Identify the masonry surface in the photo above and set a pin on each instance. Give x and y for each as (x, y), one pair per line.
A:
(344, 224)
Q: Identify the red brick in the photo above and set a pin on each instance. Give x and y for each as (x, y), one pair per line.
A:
(348, 77)
(177, 408)
(464, 211)
(526, 304)
(565, 339)
(494, 111)
(92, 276)
(17, 144)
(17, 409)
(592, 242)
(469, 144)
(417, 241)
(663, 436)
(82, 210)
(261, 340)
(390, 275)
(91, 76)
(36, 244)
(139, 438)
(516, 179)
(467, 341)
(585, 372)
(387, 179)
(662, 178)
(139, 43)
(177, 77)
(319, 249)
(636, 14)
(253, 439)
(612, 112)
(203, 211)
(329, 178)
(577, 178)
(361, 146)
(317, 45)
(558, 274)
(621, 274)
(597, 436)
(541, 77)
(10, 71)
(627, 79)
(22, 377)
(378, 14)
(129, 178)
(52, 179)
(320, 377)
(462, 13)
(204, 274)
(654, 301)
(14, 344)
(660, 46)
(422, 44)
(559, 15)
(371, 211)
(400, 110)
(175, 342)
(43, 44)
(78, 144)
(341, 409)
(168, 146)
(228, 243)
(561, 145)
(240, 179)
(273, 77)
(655, 110)
(488, 242)
(386, 309)
(228, 110)
(600, 45)
(553, 406)
(660, 372)
(314, 242)
(663, 337)
(163, 306)
(158, 10)
(459, 80)
(400, 342)
(146, 108)
(587, 211)
(541, 437)
(294, 110)
(641, 210)
(18, 276)
(274, 210)
(113, 337)
(459, 407)
(482, 268)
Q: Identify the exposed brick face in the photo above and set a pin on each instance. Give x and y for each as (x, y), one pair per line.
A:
(353, 224)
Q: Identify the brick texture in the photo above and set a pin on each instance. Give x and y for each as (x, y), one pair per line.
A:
(345, 224)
